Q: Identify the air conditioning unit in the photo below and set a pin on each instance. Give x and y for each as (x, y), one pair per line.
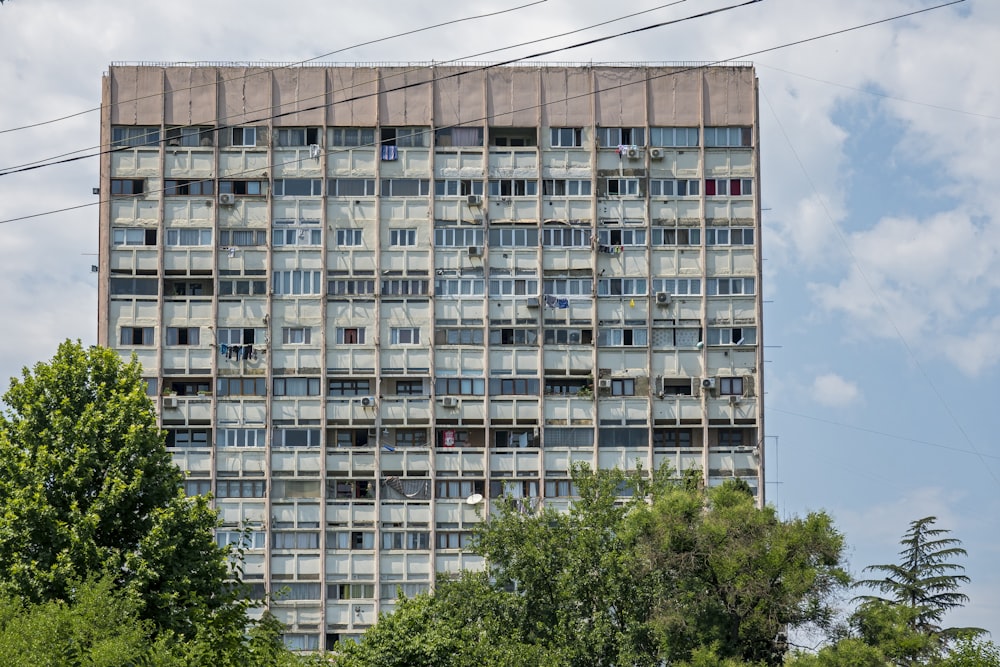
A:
(734, 400)
(449, 402)
(656, 153)
(663, 298)
(169, 402)
(475, 200)
(632, 153)
(475, 251)
(227, 199)
(368, 401)
(604, 383)
(533, 302)
(708, 383)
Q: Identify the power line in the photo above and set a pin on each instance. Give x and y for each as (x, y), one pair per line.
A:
(285, 66)
(28, 166)
(620, 85)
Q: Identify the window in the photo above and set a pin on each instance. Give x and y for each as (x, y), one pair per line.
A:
(457, 386)
(404, 335)
(729, 286)
(568, 336)
(411, 437)
(296, 437)
(671, 187)
(623, 437)
(356, 539)
(404, 287)
(236, 386)
(296, 136)
(406, 137)
(351, 287)
(243, 136)
(513, 187)
(457, 237)
(458, 336)
(730, 437)
(242, 287)
(524, 437)
(240, 437)
(728, 136)
(187, 437)
(296, 335)
(187, 187)
(555, 237)
(672, 437)
(350, 335)
(458, 287)
(188, 388)
(680, 286)
(622, 337)
(514, 386)
(298, 187)
(349, 387)
(133, 236)
(296, 386)
(500, 287)
(242, 237)
(513, 336)
(621, 187)
(197, 487)
(613, 137)
(351, 187)
(127, 186)
(409, 540)
(282, 539)
(240, 488)
(134, 136)
(621, 237)
(560, 488)
(135, 286)
(729, 386)
(454, 539)
(566, 188)
(252, 539)
(728, 186)
(569, 437)
(566, 137)
(402, 237)
(348, 237)
(621, 287)
(732, 336)
(189, 237)
(405, 187)
(409, 387)
(190, 136)
(248, 188)
(393, 591)
(670, 137)
(513, 136)
(676, 237)
(297, 237)
(457, 188)
(183, 335)
(352, 591)
(514, 237)
(352, 136)
(458, 488)
(136, 336)
(729, 236)
(297, 282)
(458, 136)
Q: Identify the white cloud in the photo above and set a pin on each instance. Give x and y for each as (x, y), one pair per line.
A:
(834, 391)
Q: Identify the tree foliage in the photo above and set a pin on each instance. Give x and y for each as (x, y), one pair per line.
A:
(642, 569)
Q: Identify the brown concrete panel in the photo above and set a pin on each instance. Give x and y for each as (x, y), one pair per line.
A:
(458, 100)
(673, 97)
(405, 95)
(246, 95)
(204, 91)
(123, 84)
(512, 99)
(621, 96)
(302, 90)
(352, 99)
(566, 98)
(177, 95)
(137, 92)
(729, 96)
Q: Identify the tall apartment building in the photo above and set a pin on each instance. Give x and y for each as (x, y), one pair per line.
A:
(369, 301)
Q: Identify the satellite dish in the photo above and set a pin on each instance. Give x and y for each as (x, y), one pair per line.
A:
(474, 499)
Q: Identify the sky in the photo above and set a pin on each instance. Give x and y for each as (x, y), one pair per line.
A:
(881, 218)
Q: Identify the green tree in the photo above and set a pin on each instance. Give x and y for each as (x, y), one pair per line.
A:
(917, 593)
